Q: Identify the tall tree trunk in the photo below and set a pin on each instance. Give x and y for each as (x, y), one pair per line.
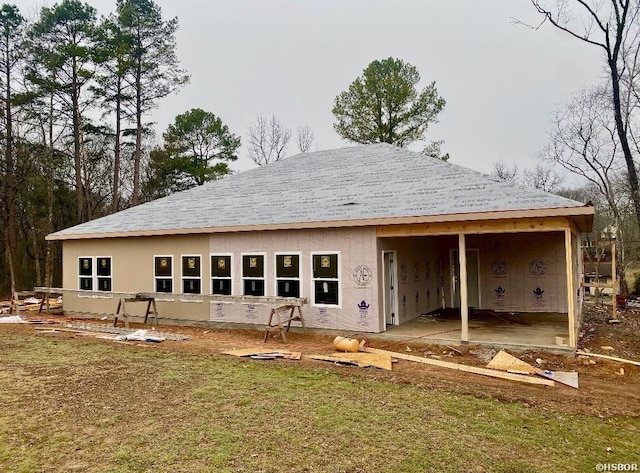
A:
(77, 151)
(115, 200)
(48, 261)
(10, 197)
(138, 151)
(622, 135)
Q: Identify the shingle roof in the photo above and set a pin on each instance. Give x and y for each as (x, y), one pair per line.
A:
(354, 183)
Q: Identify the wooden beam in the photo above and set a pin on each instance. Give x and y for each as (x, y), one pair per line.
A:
(464, 290)
(615, 278)
(607, 357)
(465, 368)
(571, 296)
(295, 301)
(513, 225)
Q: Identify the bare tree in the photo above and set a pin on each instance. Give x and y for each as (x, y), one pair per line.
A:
(305, 138)
(611, 26)
(584, 141)
(543, 177)
(505, 171)
(268, 140)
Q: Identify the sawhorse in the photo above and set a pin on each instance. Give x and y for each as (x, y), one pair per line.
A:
(279, 325)
(151, 303)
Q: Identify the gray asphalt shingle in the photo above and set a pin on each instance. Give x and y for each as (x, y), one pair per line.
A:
(354, 183)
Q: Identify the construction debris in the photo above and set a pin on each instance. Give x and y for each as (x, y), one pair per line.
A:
(365, 360)
(459, 367)
(503, 361)
(140, 336)
(612, 358)
(333, 359)
(509, 363)
(263, 354)
(569, 378)
(12, 319)
(124, 331)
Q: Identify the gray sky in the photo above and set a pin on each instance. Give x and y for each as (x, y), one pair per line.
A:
(291, 58)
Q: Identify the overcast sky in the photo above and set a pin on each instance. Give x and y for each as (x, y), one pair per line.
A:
(291, 58)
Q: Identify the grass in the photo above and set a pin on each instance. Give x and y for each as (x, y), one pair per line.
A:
(83, 405)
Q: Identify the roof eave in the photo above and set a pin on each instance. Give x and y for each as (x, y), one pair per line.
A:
(582, 216)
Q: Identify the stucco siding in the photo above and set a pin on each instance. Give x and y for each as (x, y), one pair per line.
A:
(132, 262)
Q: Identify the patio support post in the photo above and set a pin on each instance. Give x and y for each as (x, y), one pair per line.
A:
(464, 302)
(571, 290)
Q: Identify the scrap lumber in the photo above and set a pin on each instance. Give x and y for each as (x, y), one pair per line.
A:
(607, 357)
(364, 360)
(333, 359)
(569, 378)
(504, 361)
(254, 351)
(262, 354)
(459, 367)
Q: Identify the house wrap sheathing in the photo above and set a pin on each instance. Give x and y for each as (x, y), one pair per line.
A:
(373, 236)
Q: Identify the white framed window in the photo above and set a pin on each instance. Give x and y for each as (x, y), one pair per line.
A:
(191, 274)
(85, 273)
(163, 273)
(287, 269)
(222, 274)
(253, 267)
(325, 274)
(103, 273)
(95, 273)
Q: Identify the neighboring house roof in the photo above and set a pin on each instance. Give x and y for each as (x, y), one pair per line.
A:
(360, 185)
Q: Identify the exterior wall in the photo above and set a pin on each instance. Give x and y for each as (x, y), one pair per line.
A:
(133, 271)
(420, 276)
(522, 272)
(358, 302)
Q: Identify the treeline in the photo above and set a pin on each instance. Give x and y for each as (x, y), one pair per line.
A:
(76, 90)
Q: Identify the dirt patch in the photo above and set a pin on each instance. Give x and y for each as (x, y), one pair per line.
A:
(604, 390)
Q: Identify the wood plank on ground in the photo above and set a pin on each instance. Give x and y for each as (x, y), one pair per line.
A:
(504, 361)
(333, 359)
(607, 357)
(468, 369)
(376, 360)
(254, 351)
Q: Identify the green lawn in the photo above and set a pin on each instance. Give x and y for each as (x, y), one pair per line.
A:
(86, 405)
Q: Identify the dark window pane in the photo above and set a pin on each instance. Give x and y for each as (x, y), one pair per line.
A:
(221, 286)
(163, 267)
(287, 266)
(85, 267)
(253, 266)
(104, 284)
(326, 292)
(86, 284)
(325, 266)
(254, 287)
(104, 267)
(288, 288)
(191, 266)
(164, 285)
(191, 286)
(221, 266)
